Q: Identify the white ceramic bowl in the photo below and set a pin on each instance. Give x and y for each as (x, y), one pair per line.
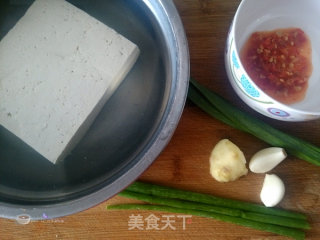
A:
(253, 16)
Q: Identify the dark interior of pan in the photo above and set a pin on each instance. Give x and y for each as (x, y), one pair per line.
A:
(126, 128)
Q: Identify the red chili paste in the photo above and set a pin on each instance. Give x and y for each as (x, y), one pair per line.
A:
(279, 62)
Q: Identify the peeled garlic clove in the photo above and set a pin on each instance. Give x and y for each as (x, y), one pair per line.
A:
(266, 159)
(272, 190)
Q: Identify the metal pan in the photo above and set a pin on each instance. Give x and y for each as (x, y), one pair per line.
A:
(129, 133)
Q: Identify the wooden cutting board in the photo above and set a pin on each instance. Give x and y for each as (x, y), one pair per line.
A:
(185, 161)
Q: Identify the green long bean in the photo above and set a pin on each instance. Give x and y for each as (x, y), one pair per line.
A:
(284, 231)
(265, 218)
(167, 192)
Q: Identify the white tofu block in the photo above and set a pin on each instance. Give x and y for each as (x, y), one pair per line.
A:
(58, 67)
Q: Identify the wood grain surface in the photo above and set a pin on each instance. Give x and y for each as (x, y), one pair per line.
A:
(185, 161)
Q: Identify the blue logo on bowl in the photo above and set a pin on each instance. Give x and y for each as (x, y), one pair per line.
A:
(235, 60)
(248, 87)
(278, 112)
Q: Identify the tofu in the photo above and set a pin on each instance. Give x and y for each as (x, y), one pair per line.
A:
(58, 67)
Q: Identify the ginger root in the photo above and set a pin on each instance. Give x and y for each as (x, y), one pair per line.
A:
(227, 162)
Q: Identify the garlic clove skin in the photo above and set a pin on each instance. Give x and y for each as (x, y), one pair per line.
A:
(267, 159)
(272, 190)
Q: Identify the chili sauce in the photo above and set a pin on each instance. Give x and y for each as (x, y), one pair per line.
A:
(279, 62)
